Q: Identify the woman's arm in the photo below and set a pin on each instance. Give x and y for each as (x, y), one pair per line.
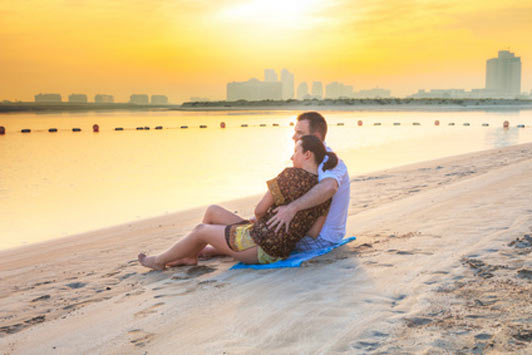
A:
(314, 231)
(264, 204)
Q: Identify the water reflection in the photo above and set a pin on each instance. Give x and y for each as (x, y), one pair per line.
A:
(502, 137)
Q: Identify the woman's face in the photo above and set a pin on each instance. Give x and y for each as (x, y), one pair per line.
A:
(298, 157)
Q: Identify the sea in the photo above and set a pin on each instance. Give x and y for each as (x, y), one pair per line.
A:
(143, 164)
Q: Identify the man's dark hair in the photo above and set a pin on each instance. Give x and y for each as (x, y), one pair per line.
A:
(316, 122)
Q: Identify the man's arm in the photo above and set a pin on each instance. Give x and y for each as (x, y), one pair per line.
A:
(318, 194)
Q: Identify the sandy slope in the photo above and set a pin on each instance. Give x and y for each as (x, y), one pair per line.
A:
(442, 264)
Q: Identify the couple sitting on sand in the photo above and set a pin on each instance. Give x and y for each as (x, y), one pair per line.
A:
(305, 208)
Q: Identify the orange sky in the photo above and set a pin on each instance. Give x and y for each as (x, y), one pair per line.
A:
(184, 48)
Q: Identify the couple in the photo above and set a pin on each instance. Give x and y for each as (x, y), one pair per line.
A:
(304, 208)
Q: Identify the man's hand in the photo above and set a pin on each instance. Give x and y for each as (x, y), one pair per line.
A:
(283, 216)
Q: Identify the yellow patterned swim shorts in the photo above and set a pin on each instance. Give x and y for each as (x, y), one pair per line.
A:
(239, 238)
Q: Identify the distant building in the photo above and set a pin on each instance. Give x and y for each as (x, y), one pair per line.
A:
(302, 91)
(101, 99)
(270, 75)
(254, 90)
(139, 99)
(77, 98)
(317, 90)
(287, 80)
(337, 90)
(503, 74)
(47, 98)
(159, 100)
(372, 94)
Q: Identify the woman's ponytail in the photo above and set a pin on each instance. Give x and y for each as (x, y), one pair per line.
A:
(331, 162)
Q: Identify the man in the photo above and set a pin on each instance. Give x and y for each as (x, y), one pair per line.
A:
(333, 183)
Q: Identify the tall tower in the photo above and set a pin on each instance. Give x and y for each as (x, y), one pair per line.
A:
(503, 74)
(270, 75)
(302, 91)
(317, 90)
(287, 79)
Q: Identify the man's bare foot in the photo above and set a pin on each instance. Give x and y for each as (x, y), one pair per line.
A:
(185, 261)
(150, 261)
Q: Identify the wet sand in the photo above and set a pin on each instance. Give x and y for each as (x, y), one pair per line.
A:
(441, 265)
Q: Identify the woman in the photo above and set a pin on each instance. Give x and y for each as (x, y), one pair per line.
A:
(250, 242)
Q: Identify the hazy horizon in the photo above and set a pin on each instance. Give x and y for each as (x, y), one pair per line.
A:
(189, 48)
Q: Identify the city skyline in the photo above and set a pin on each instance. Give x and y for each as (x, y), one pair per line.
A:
(192, 49)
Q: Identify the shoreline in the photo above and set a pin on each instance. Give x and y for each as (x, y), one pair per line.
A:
(185, 213)
(384, 104)
(441, 264)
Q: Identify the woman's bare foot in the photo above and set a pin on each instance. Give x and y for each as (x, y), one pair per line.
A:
(150, 261)
(185, 261)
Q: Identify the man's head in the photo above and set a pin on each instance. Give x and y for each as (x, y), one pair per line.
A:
(310, 123)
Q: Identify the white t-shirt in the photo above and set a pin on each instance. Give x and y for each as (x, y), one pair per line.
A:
(334, 228)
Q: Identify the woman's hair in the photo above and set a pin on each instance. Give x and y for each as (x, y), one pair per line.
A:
(313, 144)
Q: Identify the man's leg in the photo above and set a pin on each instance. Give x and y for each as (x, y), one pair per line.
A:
(194, 242)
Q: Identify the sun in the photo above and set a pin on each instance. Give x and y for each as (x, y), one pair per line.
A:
(272, 14)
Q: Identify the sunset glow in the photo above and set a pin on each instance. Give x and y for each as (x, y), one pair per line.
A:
(186, 48)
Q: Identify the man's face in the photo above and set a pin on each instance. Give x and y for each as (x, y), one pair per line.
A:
(301, 129)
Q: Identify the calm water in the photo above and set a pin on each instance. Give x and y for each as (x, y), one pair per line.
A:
(58, 184)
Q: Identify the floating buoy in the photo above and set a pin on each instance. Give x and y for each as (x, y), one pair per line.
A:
(140, 128)
(451, 123)
(416, 124)
(158, 127)
(436, 123)
(397, 123)
(202, 126)
(119, 129)
(467, 124)
(275, 124)
(359, 122)
(25, 130)
(243, 125)
(520, 126)
(506, 124)
(340, 124)
(2, 130)
(184, 126)
(52, 130)
(377, 124)
(291, 123)
(95, 128)
(76, 129)
(262, 125)
(485, 125)
(222, 124)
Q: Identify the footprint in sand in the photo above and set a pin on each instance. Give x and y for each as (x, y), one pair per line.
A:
(139, 337)
(194, 271)
(149, 310)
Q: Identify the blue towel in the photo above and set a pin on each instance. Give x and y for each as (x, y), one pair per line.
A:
(295, 259)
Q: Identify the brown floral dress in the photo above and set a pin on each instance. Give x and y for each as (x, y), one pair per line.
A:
(288, 186)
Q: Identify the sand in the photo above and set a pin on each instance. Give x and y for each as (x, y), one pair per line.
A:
(442, 264)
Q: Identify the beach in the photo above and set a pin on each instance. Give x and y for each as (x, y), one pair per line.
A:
(441, 264)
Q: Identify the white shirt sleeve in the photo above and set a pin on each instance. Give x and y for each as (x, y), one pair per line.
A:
(337, 173)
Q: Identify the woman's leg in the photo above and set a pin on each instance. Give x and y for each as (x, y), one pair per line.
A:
(214, 214)
(217, 215)
(193, 243)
